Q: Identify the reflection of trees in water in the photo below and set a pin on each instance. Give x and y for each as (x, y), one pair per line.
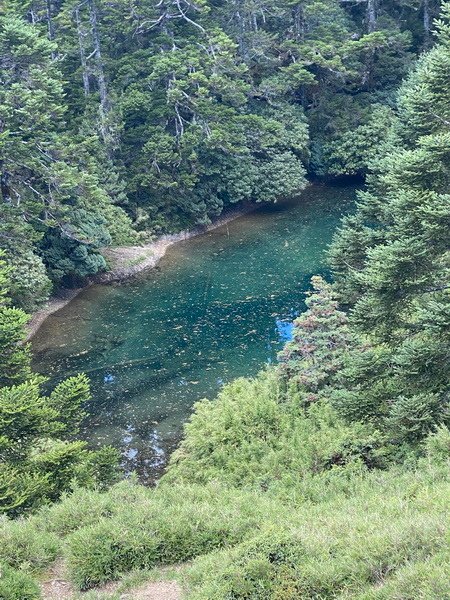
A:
(144, 450)
(146, 453)
(131, 379)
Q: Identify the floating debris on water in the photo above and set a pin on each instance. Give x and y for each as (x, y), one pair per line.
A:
(152, 347)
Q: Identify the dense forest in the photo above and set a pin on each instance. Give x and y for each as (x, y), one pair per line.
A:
(327, 475)
(123, 119)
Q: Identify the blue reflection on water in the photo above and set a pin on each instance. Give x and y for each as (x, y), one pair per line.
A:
(285, 330)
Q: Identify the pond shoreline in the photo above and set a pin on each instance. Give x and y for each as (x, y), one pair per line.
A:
(127, 261)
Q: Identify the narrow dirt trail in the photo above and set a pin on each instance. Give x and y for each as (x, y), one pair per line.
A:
(57, 587)
(157, 590)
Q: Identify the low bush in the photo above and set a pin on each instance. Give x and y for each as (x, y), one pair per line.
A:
(16, 585)
(165, 526)
(23, 545)
(336, 550)
(83, 507)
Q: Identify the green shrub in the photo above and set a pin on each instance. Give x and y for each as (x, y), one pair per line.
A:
(83, 507)
(249, 436)
(340, 547)
(16, 585)
(259, 569)
(437, 445)
(23, 545)
(424, 580)
(357, 538)
(165, 526)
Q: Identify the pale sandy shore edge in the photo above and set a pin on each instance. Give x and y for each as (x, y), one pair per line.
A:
(126, 261)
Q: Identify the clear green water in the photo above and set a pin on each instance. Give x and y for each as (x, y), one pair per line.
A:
(215, 309)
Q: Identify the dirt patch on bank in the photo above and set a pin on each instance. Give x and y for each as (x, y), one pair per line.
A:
(56, 586)
(49, 308)
(126, 261)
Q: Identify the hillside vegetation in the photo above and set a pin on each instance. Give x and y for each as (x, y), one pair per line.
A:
(372, 535)
(324, 477)
(123, 119)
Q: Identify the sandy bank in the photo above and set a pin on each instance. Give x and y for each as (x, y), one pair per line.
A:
(126, 261)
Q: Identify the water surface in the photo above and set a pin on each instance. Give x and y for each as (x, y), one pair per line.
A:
(217, 307)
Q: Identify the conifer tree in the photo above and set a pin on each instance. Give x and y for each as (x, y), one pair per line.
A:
(50, 193)
(321, 340)
(391, 262)
(14, 356)
(39, 457)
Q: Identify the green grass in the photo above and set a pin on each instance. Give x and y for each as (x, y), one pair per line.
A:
(426, 579)
(24, 545)
(163, 527)
(345, 548)
(249, 544)
(17, 585)
(261, 502)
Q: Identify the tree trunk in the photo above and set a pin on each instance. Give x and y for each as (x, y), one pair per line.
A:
(299, 22)
(426, 22)
(4, 183)
(371, 16)
(84, 67)
(50, 28)
(100, 72)
(241, 31)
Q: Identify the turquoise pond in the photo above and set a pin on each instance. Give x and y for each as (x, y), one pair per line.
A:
(217, 307)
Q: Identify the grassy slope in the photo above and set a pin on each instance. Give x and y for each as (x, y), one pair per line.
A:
(256, 498)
